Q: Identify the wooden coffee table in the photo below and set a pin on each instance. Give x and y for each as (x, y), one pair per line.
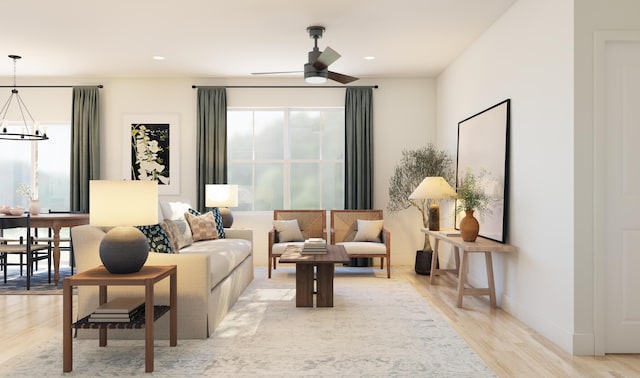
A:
(304, 273)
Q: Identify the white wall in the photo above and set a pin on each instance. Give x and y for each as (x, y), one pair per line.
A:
(404, 117)
(531, 63)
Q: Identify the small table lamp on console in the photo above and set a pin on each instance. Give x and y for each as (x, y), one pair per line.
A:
(122, 205)
(222, 196)
(434, 189)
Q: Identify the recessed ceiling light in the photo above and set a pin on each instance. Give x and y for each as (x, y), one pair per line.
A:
(158, 57)
(370, 57)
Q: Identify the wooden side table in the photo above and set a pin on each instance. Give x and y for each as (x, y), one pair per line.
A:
(481, 245)
(148, 276)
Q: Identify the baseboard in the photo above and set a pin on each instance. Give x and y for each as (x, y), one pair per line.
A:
(584, 344)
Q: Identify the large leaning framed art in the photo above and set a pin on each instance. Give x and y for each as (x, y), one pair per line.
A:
(483, 148)
(153, 141)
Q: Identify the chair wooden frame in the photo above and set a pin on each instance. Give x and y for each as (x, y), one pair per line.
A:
(344, 227)
(312, 223)
(28, 247)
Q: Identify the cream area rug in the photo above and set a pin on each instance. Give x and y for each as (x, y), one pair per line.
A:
(378, 327)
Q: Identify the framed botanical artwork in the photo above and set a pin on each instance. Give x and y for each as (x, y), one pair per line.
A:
(153, 142)
(483, 149)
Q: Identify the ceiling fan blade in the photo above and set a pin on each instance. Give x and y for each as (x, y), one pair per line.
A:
(275, 72)
(341, 78)
(327, 57)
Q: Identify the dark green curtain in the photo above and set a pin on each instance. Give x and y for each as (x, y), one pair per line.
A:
(85, 145)
(358, 183)
(211, 139)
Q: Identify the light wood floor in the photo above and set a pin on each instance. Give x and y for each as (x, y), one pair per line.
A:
(507, 346)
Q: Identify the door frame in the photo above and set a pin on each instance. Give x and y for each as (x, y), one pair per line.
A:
(601, 39)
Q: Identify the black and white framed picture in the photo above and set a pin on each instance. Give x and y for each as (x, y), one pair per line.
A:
(483, 149)
(153, 141)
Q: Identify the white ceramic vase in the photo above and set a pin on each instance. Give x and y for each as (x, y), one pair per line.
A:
(34, 207)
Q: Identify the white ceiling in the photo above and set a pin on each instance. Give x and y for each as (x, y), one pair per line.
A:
(208, 38)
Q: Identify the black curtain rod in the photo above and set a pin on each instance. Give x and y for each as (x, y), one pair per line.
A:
(284, 86)
(48, 86)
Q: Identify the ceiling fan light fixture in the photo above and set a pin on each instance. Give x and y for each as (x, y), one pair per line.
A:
(315, 80)
(315, 76)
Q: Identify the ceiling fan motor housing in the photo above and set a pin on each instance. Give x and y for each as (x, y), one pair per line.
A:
(310, 70)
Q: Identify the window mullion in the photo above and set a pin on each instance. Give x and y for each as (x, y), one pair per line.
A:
(287, 161)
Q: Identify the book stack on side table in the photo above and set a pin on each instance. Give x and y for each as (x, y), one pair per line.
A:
(314, 245)
(117, 310)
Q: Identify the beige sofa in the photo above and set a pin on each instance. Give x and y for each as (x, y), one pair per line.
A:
(211, 276)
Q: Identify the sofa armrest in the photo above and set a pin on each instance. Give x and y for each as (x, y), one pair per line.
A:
(239, 233)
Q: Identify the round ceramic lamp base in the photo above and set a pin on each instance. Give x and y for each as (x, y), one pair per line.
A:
(124, 250)
(227, 217)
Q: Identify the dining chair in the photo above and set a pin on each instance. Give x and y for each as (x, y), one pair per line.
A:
(24, 247)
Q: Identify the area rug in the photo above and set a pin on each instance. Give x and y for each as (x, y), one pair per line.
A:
(378, 327)
(17, 284)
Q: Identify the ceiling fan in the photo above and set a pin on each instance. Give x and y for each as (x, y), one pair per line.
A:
(316, 71)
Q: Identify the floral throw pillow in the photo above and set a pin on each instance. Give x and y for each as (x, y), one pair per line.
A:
(158, 239)
(219, 226)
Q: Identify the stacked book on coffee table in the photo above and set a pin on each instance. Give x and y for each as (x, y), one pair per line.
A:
(117, 310)
(314, 246)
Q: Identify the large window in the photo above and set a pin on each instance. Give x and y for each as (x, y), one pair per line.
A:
(19, 160)
(289, 158)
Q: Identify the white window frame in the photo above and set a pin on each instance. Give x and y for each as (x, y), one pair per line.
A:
(286, 161)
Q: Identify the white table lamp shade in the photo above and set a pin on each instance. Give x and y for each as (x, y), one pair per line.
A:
(433, 188)
(123, 203)
(221, 195)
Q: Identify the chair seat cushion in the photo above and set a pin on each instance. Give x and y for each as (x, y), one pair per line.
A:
(364, 248)
(278, 248)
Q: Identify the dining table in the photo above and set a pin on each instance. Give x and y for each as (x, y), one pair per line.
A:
(56, 221)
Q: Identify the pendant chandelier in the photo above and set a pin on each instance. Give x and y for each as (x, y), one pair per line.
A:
(33, 132)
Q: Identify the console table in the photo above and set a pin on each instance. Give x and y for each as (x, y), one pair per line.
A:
(481, 245)
(148, 276)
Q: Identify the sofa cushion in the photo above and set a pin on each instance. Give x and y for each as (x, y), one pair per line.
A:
(174, 210)
(225, 255)
(219, 223)
(288, 230)
(203, 227)
(368, 231)
(355, 248)
(181, 231)
(158, 239)
(217, 216)
(169, 230)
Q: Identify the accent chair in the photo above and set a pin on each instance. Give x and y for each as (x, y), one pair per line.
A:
(293, 227)
(362, 234)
